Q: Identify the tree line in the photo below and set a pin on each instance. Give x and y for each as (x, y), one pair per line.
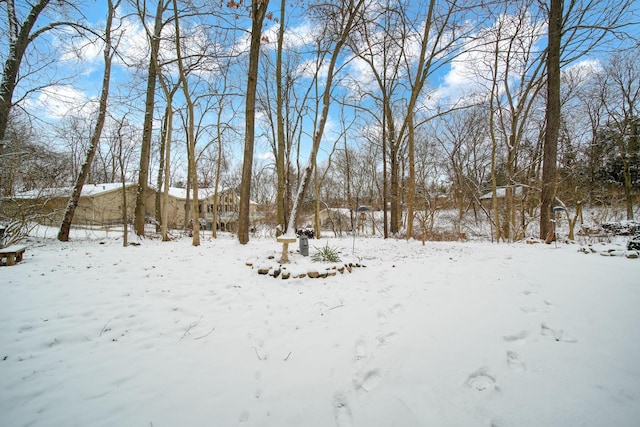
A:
(403, 106)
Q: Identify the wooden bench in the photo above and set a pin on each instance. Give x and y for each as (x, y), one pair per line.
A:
(12, 253)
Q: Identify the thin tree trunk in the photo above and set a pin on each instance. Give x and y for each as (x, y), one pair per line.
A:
(161, 164)
(216, 189)
(167, 181)
(125, 216)
(191, 138)
(411, 190)
(65, 228)
(280, 152)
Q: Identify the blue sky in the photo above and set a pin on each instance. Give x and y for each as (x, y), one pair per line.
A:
(84, 68)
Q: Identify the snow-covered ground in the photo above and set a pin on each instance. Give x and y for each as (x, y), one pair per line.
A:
(446, 334)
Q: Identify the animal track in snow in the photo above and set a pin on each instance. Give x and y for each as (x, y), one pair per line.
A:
(341, 411)
(382, 319)
(481, 381)
(395, 308)
(244, 417)
(514, 362)
(556, 334)
(258, 391)
(384, 339)
(516, 338)
(369, 381)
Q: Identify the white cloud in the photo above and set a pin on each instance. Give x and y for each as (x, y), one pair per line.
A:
(301, 35)
(471, 72)
(265, 155)
(60, 100)
(582, 70)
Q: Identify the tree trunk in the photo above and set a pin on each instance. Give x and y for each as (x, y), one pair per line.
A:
(145, 149)
(411, 186)
(65, 228)
(161, 164)
(191, 137)
(167, 181)
(552, 115)
(280, 152)
(258, 13)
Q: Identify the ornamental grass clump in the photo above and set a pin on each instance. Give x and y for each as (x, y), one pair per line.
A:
(326, 254)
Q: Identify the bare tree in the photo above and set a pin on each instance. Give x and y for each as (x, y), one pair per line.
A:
(583, 27)
(145, 149)
(63, 234)
(20, 36)
(621, 82)
(258, 14)
(343, 17)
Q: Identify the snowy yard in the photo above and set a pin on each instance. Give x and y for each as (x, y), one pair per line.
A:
(447, 334)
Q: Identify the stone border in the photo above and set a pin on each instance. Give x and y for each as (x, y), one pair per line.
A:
(281, 270)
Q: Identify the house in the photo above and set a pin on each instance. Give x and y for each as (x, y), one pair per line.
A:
(227, 208)
(501, 193)
(99, 204)
(179, 205)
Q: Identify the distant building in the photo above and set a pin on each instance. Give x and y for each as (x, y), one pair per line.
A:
(99, 204)
(227, 209)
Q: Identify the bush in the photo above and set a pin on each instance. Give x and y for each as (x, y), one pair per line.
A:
(326, 254)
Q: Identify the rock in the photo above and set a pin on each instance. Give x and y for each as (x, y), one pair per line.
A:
(632, 254)
(341, 269)
(302, 275)
(331, 272)
(634, 244)
(275, 273)
(285, 274)
(263, 271)
(313, 274)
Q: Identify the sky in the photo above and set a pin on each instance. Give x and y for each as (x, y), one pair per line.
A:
(454, 81)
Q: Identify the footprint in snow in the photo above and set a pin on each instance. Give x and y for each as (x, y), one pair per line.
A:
(382, 319)
(360, 351)
(514, 362)
(395, 308)
(244, 417)
(556, 334)
(341, 411)
(520, 337)
(481, 381)
(384, 339)
(369, 381)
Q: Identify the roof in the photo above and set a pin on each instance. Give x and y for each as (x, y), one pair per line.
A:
(88, 190)
(181, 193)
(501, 193)
(203, 193)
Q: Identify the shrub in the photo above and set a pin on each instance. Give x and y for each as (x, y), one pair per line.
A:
(326, 254)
